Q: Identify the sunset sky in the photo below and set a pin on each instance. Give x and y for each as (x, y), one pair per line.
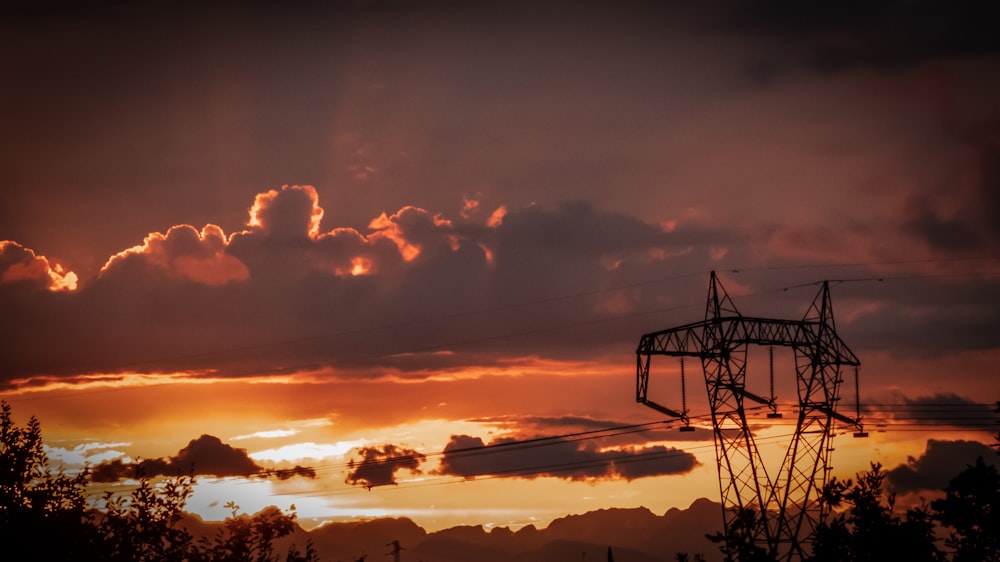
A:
(285, 245)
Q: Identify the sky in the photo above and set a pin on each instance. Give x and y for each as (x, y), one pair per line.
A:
(321, 253)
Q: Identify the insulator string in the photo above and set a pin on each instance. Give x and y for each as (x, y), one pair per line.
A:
(684, 404)
(857, 394)
(770, 356)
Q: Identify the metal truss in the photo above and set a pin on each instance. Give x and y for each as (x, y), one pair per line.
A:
(789, 506)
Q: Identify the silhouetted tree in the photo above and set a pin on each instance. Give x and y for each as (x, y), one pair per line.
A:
(971, 508)
(997, 436)
(868, 531)
(738, 544)
(44, 515)
(145, 525)
(251, 539)
(35, 503)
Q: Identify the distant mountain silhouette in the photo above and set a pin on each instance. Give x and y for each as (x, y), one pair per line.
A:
(635, 535)
(347, 541)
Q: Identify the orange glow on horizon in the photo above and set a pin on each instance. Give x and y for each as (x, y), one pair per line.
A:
(321, 415)
(112, 381)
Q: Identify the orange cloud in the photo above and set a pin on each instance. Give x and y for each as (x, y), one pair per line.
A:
(292, 214)
(187, 254)
(206, 455)
(468, 457)
(487, 253)
(282, 213)
(20, 264)
(496, 219)
(389, 228)
(360, 265)
(470, 207)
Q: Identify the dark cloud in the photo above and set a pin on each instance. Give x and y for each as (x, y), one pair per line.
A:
(21, 266)
(960, 214)
(45, 10)
(948, 401)
(184, 254)
(549, 424)
(887, 34)
(569, 459)
(286, 473)
(268, 300)
(915, 317)
(936, 409)
(613, 433)
(112, 471)
(378, 466)
(327, 93)
(206, 455)
(939, 463)
(418, 292)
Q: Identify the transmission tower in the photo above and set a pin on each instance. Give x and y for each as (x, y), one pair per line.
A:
(396, 549)
(790, 506)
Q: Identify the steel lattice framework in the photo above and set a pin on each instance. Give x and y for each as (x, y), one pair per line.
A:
(789, 506)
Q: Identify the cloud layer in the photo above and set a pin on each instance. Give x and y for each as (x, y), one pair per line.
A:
(469, 199)
(285, 294)
(469, 457)
(21, 266)
(378, 466)
(414, 291)
(206, 455)
(937, 465)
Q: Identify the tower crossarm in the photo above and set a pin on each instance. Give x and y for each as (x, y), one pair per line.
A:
(700, 339)
(790, 504)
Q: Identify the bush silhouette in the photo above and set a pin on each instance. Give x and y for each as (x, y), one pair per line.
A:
(44, 515)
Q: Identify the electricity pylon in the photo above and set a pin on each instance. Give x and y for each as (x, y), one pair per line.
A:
(396, 549)
(790, 506)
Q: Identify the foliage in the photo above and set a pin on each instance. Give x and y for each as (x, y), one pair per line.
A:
(35, 503)
(997, 436)
(144, 526)
(868, 530)
(971, 509)
(245, 538)
(46, 514)
(738, 543)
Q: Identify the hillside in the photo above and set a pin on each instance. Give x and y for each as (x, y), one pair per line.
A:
(634, 535)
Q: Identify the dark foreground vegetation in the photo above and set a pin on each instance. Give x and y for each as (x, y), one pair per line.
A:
(45, 515)
(963, 526)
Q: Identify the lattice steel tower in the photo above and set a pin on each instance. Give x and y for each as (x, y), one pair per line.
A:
(790, 506)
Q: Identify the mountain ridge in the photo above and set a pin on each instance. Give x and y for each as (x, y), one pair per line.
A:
(633, 534)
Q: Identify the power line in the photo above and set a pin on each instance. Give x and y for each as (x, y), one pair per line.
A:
(877, 426)
(542, 441)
